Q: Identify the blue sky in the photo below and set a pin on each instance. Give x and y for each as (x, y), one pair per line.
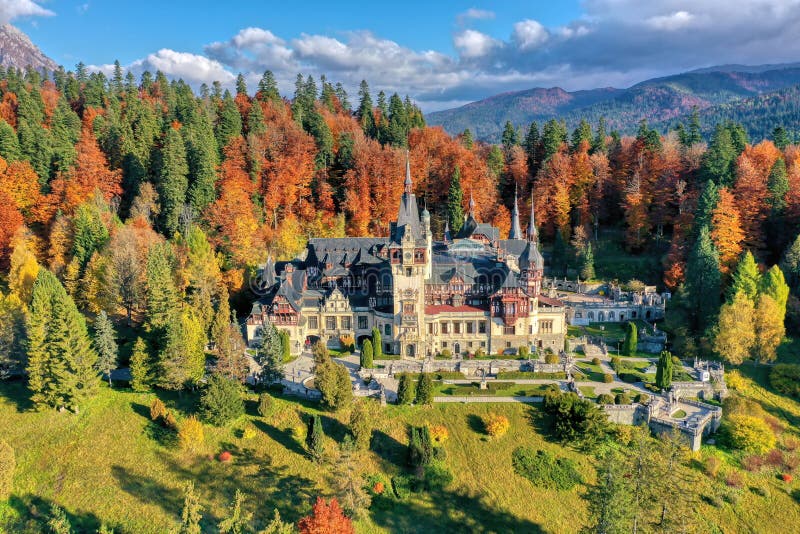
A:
(442, 53)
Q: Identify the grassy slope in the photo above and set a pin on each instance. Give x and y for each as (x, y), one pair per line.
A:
(108, 464)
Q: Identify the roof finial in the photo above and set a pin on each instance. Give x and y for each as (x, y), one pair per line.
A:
(409, 183)
(516, 230)
(532, 224)
(447, 231)
(471, 205)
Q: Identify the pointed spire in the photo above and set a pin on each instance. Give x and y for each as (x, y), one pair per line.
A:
(409, 183)
(516, 230)
(471, 206)
(532, 232)
(447, 232)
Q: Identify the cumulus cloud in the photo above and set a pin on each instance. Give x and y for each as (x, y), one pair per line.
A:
(12, 9)
(612, 43)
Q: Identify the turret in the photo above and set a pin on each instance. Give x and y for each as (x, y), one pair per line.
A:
(516, 231)
(533, 233)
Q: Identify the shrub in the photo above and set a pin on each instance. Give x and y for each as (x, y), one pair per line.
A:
(622, 398)
(437, 477)
(642, 398)
(439, 454)
(790, 443)
(735, 479)
(157, 410)
(605, 398)
(791, 462)
(314, 437)
(786, 477)
(749, 434)
(347, 343)
(8, 464)
(401, 485)
(752, 463)
(628, 378)
(616, 363)
(361, 424)
(266, 404)
(774, 423)
(496, 425)
(595, 361)
(333, 381)
(608, 378)
(420, 447)
(734, 380)
(225, 457)
(439, 434)
(249, 432)
(551, 357)
(445, 353)
(169, 421)
(191, 435)
(623, 434)
(378, 488)
(320, 351)
(366, 354)
(545, 470)
(523, 352)
(221, 401)
(711, 466)
(774, 458)
(785, 378)
(405, 389)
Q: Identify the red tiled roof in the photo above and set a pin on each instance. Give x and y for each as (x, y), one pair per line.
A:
(550, 302)
(434, 310)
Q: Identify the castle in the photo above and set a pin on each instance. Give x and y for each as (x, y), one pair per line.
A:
(469, 293)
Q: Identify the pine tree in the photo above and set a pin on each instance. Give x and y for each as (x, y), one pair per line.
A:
(61, 359)
(664, 370)
(424, 394)
(720, 158)
(509, 137)
(105, 344)
(610, 498)
(587, 268)
(774, 285)
(361, 424)
(702, 282)
(377, 345)
(746, 278)
(631, 340)
(366, 354)
(314, 438)
(790, 265)
(140, 367)
(221, 401)
(706, 205)
(192, 511)
(364, 113)
(9, 144)
(229, 122)
(780, 137)
(455, 198)
(466, 139)
(172, 180)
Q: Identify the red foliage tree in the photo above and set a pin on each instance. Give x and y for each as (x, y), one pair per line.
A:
(326, 518)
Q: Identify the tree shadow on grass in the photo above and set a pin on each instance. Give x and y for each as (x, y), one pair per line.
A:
(16, 391)
(33, 512)
(455, 511)
(390, 451)
(475, 424)
(333, 428)
(284, 437)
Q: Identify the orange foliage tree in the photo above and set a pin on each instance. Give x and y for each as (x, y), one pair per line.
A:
(21, 185)
(326, 518)
(11, 222)
(752, 174)
(726, 231)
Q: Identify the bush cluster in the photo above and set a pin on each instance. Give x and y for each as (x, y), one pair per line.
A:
(496, 425)
(544, 469)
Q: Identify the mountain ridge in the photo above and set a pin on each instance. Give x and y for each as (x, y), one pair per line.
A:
(18, 51)
(660, 100)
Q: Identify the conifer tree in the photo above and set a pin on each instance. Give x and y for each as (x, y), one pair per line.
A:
(405, 389)
(172, 181)
(582, 133)
(105, 344)
(424, 394)
(12, 335)
(377, 345)
(238, 520)
(599, 145)
(202, 159)
(531, 145)
(778, 186)
(366, 354)
(790, 265)
(270, 355)
(631, 339)
(774, 285)
(268, 88)
(509, 137)
(664, 370)
(314, 438)
(360, 424)
(364, 114)
(192, 511)
(702, 282)
(554, 135)
(746, 277)
(466, 139)
(140, 367)
(587, 269)
(610, 498)
(229, 122)
(221, 401)
(455, 198)
(706, 205)
(780, 137)
(769, 329)
(61, 359)
(693, 135)
(9, 144)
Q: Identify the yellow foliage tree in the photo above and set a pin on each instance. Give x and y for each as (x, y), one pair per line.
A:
(749, 434)
(191, 435)
(496, 425)
(24, 267)
(769, 329)
(734, 336)
(439, 434)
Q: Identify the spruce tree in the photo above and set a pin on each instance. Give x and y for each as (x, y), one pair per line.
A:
(455, 198)
(405, 389)
(582, 133)
(693, 135)
(268, 88)
(718, 163)
(106, 345)
(192, 511)
(702, 282)
(270, 355)
(202, 160)
(229, 122)
(780, 137)
(61, 359)
(509, 137)
(745, 278)
(466, 139)
(532, 146)
(9, 144)
(554, 135)
(706, 204)
(599, 144)
(609, 499)
(587, 269)
(140, 367)
(172, 180)
(366, 354)
(778, 186)
(790, 265)
(221, 401)
(364, 114)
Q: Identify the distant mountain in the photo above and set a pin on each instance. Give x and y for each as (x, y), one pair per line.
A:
(660, 100)
(17, 50)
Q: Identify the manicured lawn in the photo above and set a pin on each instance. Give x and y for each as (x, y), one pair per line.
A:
(512, 390)
(592, 372)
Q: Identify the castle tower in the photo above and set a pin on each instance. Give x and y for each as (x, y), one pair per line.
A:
(516, 231)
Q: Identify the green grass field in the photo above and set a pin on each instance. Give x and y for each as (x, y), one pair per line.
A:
(111, 464)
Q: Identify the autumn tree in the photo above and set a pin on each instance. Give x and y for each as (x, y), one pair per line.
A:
(746, 278)
(734, 336)
(326, 517)
(769, 328)
(726, 231)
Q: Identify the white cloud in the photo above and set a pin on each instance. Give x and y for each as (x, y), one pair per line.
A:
(675, 21)
(474, 14)
(192, 68)
(474, 44)
(529, 34)
(12, 9)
